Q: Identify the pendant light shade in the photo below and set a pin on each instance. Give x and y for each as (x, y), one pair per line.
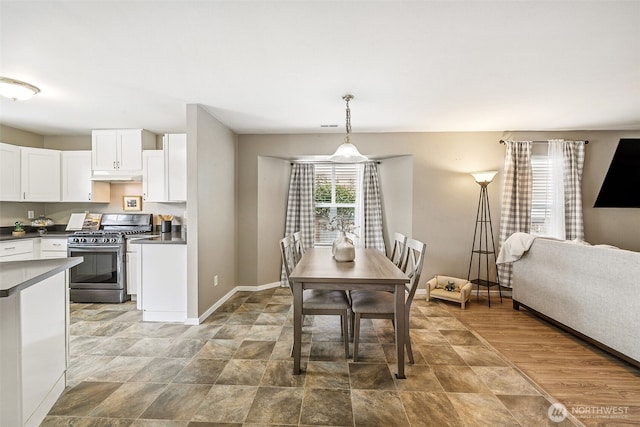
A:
(347, 152)
(16, 89)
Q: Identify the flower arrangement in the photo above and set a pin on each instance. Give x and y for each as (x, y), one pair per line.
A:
(342, 223)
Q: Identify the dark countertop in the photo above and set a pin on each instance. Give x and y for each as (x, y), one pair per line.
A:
(35, 235)
(16, 276)
(161, 239)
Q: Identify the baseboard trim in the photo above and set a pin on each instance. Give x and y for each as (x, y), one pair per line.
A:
(506, 292)
(198, 320)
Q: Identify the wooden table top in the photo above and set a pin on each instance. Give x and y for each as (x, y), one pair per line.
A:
(370, 265)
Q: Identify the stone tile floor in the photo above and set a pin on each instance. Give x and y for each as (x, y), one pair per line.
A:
(235, 370)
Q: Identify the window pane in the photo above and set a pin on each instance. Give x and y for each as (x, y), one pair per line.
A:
(541, 194)
(335, 195)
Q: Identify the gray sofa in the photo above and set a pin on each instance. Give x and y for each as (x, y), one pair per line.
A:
(593, 291)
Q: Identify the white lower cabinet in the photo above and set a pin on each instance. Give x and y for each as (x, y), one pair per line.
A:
(164, 282)
(33, 333)
(16, 250)
(53, 248)
(133, 273)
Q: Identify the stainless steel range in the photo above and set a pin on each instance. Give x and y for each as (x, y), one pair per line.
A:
(102, 277)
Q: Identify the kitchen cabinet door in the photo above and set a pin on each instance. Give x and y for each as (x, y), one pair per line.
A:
(133, 273)
(104, 150)
(153, 176)
(164, 283)
(77, 185)
(40, 174)
(175, 166)
(9, 173)
(119, 149)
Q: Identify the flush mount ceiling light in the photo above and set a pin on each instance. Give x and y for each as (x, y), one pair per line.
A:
(16, 89)
(347, 152)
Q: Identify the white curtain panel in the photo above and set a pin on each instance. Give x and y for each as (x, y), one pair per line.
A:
(555, 217)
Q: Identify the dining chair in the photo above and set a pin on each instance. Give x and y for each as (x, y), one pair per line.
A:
(367, 304)
(397, 252)
(318, 301)
(298, 246)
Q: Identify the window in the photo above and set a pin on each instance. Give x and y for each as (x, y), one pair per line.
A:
(542, 200)
(336, 192)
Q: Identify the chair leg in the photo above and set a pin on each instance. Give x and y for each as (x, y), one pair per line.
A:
(345, 332)
(407, 339)
(356, 336)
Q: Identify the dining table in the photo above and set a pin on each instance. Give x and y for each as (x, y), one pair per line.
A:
(371, 269)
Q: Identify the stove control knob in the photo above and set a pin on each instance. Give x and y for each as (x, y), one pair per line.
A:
(94, 240)
(114, 240)
(75, 240)
(83, 240)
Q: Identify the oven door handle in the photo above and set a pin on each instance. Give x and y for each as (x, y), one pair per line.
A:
(92, 249)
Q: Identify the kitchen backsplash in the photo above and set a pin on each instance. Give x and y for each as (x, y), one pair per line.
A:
(10, 212)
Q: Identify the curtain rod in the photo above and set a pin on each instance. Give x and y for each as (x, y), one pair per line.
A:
(329, 163)
(540, 142)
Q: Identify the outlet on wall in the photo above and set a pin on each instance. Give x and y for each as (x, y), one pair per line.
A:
(30, 215)
(215, 280)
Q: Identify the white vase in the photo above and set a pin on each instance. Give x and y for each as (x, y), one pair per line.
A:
(343, 248)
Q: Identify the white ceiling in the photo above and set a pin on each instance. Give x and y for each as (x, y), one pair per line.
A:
(283, 66)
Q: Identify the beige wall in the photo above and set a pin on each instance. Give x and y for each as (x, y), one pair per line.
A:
(441, 196)
(211, 211)
(14, 136)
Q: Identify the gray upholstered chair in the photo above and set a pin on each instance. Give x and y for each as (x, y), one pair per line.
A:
(367, 304)
(318, 301)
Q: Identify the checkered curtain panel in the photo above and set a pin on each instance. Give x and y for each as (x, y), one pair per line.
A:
(300, 207)
(516, 198)
(573, 165)
(372, 203)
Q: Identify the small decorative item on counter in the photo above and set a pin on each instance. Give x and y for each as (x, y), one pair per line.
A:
(165, 227)
(18, 231)
(42, 223)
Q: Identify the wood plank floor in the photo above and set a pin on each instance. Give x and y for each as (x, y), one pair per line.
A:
(599, 389)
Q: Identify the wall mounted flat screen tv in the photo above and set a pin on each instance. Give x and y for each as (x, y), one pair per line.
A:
(621, 185)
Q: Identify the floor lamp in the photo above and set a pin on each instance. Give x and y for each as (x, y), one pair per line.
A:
(480, 248)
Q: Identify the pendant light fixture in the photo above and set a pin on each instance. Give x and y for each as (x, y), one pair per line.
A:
(347, 152)
(16, 89)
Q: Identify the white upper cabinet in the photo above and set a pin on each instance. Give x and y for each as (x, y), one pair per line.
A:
(77, 185)
(40, 174)
(175, 160)
(153, 176)
(119, 151)
(9, 173)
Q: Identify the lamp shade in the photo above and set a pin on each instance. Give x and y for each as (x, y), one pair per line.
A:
(16, 89)
(484, 177)
(347, 153)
